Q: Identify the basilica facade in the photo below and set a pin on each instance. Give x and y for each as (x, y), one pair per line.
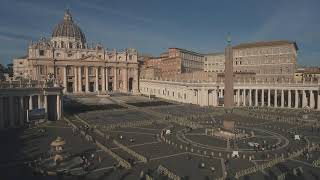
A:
(76, 66)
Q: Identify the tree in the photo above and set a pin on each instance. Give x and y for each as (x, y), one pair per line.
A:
(2, 71)
(10, 69)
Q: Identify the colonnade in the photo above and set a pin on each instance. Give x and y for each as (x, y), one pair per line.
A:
(212, 94)
(16, 103)
(278, 97)
(99, 79)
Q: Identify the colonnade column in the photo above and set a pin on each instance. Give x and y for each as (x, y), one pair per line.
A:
(80, 79)
(11, 111)
(304, 99)
(58, 104)
(269, 97)
(64, 79)
(125, 80)
(45, 103)
(262, 97)
(311, 100)
(21, 116)
(30, 103)
(39, 101)
(2, 113)
(87, 79)
(256, 98)
(97, 80)
(289, 98)
(275, 98)
(103, 70)
(250, 97)
(296, 99)
(76, 88)
(282, 98)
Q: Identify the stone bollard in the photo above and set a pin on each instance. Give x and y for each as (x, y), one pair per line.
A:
(243, 156)
(191, 149)
(205, 152)
(219, 154)
(212, 154)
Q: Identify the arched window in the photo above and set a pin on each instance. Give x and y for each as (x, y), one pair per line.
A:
(62, 44)
(70, 45)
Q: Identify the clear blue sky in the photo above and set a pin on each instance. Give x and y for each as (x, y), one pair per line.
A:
(151, 26)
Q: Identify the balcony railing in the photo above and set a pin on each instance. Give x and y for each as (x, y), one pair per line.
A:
(30, 84)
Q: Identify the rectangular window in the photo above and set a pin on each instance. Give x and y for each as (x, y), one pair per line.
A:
(41, 52)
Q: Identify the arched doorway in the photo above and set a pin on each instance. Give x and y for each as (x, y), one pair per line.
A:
(70, 87)
(91, 86)
(130, 84)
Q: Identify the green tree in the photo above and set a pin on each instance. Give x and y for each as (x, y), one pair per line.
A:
(2, 71)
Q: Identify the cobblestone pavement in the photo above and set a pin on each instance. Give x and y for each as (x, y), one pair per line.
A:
(188, 154)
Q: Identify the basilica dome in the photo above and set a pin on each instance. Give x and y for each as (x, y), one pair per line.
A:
(68, 29)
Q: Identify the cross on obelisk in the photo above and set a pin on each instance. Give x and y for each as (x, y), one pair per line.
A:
(228, 76)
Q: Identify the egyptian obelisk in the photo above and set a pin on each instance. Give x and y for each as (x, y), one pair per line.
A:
(228, 76)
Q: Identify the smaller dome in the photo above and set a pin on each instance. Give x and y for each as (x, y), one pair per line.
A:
(67, 28)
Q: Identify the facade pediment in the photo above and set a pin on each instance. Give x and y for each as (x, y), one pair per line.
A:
(91, 57)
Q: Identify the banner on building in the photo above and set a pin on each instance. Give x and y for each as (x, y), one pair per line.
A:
(36, 114)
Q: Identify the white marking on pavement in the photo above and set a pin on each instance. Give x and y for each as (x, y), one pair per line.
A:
(172, 155)
(135, 133)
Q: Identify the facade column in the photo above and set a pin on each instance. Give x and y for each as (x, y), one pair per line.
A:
(244, 99)
(269, 97)
(125, 85)
(30, 103)
(238, 97)
(136, 81)
(87, 78)
(64, 79)
(312, 105)
(289, 98)
(262, 97)
(250, 97)
(97, 80)
(79, 79)
(216, 97)
(296, 99)
(256, 97)
(21, 116)
(115, 79)
(107, 79)
(304, 99)
(76, 88)
(282, 98)
(103, 79)
(275, 98)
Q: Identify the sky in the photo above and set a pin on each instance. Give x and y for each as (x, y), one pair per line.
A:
(152, 26)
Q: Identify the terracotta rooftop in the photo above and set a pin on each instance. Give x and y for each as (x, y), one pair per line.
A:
(264, 43)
